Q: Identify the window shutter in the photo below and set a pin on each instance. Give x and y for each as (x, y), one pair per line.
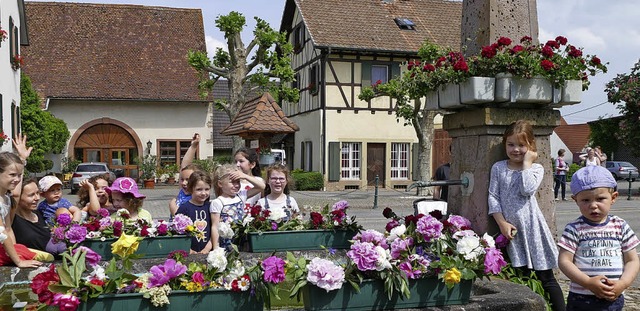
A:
(366, 74)
(415, 170)
(334, 161)
(302, 156)
(310, 153)
(395, 70)
(11, 38)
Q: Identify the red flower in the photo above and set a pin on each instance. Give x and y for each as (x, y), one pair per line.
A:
(504, 41)
(387, 212)
(517, 48)
(574, 52)
(40, 285)
(234, 286)
(547, 65)
(547, 51)
(338, 215)
(461, 65)
(316, 219)
(561, 40)
(144, 231)
(488, 51)
(526, 39)
(429, 67)
(92, 226)
(553, 44)
(595, 61)
(96, 282)
(163, 229)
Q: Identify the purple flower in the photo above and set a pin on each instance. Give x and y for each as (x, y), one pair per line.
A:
(162, 274)
(273, 270)
(91, 257)
(493, 261)
(340, 206)
(63, 220)
(180, 223)
(104, 223)
(274, 226)
(398, 246)
(392, 224)
(325, 274)
(501, 241)
(76, 234)
(429, 227)
(364, 255)
(103, 212)
(408, 270)
(372, 236)
(459, 222)
(58, 234)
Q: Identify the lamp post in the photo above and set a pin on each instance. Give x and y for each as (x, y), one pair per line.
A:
(149, 143)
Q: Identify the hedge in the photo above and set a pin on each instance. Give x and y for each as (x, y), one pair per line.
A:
(307, 180)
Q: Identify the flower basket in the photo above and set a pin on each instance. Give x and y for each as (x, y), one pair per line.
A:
(299, 240)
(156, 247)
(536, 90)
(179, 300)
(431, 101)
(477, 90)
(426, 292)
(569, 94)
(449, 96)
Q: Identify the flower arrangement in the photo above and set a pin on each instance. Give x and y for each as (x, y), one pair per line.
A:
(413, 247)
(102, 226)
(3, 35)
(17, 61)
(3, 138)
(556, 60)
(259, 220)
(70, 283)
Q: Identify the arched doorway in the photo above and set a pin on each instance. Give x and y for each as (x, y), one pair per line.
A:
(105, 140)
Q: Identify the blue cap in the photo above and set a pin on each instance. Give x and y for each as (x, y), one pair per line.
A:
(591, 177)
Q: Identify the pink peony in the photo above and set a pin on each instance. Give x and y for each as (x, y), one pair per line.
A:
(325, 274)
(273, 270)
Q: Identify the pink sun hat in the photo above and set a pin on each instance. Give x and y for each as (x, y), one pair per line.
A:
(126, 185)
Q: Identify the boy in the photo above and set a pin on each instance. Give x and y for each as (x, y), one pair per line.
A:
(597, 250)
(51, 190)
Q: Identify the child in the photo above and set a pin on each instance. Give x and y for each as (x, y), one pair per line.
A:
(247, 160)
(597, 250)
(560, 176)
(513, 205)
(277, 192)
(51, 190)
(11, 168)
(125, 195)
(186, 169)
(198, 209)
(93, 195)
(230, 206)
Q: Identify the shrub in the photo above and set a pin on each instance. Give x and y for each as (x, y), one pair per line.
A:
(572, 169)
(307, 180)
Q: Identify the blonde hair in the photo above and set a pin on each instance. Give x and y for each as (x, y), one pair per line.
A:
(523, 131)
(220, 173)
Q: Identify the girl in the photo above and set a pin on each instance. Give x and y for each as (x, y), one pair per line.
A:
(198, 209)
(186, 169)
(125, 195)
(590, 157)
(11, 168)
(230, 206)
(93, 195)
(513, 205)
(247, 160)
(277, 192)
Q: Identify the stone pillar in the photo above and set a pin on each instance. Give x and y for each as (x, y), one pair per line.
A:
(477, 144)
(484, 21)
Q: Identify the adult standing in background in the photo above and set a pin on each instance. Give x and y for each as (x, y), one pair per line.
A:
(560, 175)
(600, 155)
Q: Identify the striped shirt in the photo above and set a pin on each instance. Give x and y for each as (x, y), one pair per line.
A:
(598, 249)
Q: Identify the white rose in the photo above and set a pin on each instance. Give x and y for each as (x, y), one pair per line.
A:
(470, 247)
(383, 259)
(491, 243)
(247, 220)
(217, 259)
(224, 230)
(397, 232)
(237, 270)
(277, 214)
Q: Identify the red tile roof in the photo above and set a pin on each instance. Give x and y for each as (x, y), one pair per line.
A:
(368, 25)
(575, 136)
(109, 51)
(260, 115)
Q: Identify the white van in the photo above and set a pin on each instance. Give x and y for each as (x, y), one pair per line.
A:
(279, 156)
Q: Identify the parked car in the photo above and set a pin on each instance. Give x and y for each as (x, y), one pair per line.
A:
(621, 170)
(89, 169)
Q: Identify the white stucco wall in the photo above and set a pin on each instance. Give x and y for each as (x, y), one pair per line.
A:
(557, 144)
(9, 79)
(150, 121)
(310, 130)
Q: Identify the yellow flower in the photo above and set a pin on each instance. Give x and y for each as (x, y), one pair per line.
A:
(452, 276)
(125, 245)
(190, 228)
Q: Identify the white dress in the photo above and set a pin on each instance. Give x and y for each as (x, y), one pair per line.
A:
(512, 193)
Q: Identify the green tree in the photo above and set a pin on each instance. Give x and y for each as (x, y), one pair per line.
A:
(603, 134)
(624, 92)
(45, 133)
(250, 67)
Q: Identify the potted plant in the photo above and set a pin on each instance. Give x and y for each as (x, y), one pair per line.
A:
(148, 167)
(171, 170)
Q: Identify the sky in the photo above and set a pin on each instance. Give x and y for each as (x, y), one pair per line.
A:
(610, 30)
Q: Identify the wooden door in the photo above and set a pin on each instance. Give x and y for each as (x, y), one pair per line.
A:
(93, 155)
(441, 145)
(376, 164)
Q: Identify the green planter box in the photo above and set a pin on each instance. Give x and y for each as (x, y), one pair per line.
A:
(179, 300)
(424, 293)
(157, 247)
(299, 240)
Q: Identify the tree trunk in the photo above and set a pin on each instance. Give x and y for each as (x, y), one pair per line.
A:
(423, 125)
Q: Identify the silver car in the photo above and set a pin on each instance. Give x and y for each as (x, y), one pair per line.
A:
(89, 169)
(622, 170)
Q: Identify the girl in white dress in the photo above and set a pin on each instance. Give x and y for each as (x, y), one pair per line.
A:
(513, 205)
(277, 199)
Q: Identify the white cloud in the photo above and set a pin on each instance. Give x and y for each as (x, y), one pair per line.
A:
(213, 44)
(586, 38)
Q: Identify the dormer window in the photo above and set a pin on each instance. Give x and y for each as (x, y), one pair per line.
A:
(405, 23)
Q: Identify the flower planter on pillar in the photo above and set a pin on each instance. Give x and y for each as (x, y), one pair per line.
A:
(449, 96)
(536, 90)
(431, 101)
(569, 94)
(477, 90)
(372, 296)
(503, 87)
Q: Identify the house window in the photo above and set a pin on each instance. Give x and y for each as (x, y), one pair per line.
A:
(170, 149)
(350, 161)
(399, 161)
(405, 23)
(314, 79)
(380, 74)
(15, 120)
(298, 38)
